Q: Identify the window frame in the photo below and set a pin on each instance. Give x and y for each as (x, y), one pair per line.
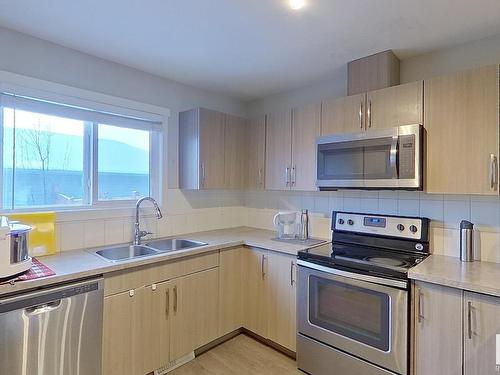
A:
(98, 102)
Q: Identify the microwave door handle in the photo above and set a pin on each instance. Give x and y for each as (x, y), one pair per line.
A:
(394, 156)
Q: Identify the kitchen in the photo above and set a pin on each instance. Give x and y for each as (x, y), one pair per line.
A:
(316, 200)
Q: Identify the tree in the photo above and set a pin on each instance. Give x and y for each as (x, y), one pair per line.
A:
(35, 145)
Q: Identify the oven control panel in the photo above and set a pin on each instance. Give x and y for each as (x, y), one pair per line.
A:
(392, 226)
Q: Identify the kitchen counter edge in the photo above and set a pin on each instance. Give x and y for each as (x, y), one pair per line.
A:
(79, 264)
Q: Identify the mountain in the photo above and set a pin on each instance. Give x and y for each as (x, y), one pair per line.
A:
(66, 153)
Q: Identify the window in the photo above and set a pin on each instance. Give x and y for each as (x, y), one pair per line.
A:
(60, 155)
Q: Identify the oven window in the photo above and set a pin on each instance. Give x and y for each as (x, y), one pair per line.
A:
(360, 314)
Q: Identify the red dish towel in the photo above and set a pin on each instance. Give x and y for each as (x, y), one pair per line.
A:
(37, 270)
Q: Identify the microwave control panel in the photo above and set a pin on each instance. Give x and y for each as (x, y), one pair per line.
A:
(406, 156)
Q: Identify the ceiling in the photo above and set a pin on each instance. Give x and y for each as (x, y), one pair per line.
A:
(250, 48)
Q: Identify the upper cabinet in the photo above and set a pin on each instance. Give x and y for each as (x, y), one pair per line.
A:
(211, 150)
(278, 150)
(343, 115)
(462, 121)
(384, 108)
(256, 140)
(235, 153)
(305, 128)
(395, 106)
(290, 148)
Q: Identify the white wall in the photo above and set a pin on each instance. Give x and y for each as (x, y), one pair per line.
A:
(481, 52)
(445, 212)
(184, 211)
(478, 53)
(33, 57)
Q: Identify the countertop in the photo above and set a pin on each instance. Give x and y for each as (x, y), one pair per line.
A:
(79, 264)
(481, 277)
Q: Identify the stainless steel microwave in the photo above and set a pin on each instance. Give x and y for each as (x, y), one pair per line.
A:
(375, 159)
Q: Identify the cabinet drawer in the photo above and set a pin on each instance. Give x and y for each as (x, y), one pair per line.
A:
(120, 281)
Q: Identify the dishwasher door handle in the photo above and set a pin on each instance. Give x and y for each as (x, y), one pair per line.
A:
(42, 309)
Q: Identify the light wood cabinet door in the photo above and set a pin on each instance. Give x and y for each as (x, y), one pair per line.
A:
(481, 325)
(343, 115)
(278, 150)
(256, 151)
(156, 323)
(230, 290)
(255, 312)
(395, 106)
(194, 312)
(281, 299)
(305, 128)
(235, 153)
(123, 328)
(461, 119)
(211, 148)
(438, 330)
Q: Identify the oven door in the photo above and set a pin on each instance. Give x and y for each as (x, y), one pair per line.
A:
(387, 158)
(363, 318)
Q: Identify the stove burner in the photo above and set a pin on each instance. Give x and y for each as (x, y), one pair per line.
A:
(387, 261)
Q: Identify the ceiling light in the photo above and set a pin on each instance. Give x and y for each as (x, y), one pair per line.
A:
(297, 4)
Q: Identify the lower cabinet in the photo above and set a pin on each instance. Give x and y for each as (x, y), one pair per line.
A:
(255, 316)
(230, 290)
(195, 312)
(438, 330)
(148, 327)
(281, 295)
(481, 325)
(269, 290)
(123, 347)
(449, 322)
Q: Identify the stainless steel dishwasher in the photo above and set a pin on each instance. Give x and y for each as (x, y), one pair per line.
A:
(56, 331)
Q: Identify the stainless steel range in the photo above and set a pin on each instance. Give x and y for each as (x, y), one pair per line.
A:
(353, 295)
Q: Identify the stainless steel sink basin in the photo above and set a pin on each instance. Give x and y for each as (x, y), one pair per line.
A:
(116, 254)
(173, 244)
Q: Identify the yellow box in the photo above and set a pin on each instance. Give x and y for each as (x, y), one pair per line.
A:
(42, 239)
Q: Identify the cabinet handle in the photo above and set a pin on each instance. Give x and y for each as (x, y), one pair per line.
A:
(293, 175)
(420, 305)
(493, 172)
(262, 268)
(287, 176)
(202, 174)
(361, 115)
(175, 299)
(292, 264)
(167, 298)
(369, 114)
(469, 320)
(259, 181)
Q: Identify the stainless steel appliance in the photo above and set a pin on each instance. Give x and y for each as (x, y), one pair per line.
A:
(375, 159)
(53, 331)
(353, 295)
(14, 257)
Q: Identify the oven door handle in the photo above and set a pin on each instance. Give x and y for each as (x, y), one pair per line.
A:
(393, 157)
(355, 276)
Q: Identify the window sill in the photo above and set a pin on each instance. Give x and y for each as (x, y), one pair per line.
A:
(72, 214)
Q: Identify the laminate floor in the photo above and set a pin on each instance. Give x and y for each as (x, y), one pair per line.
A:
(241, 355)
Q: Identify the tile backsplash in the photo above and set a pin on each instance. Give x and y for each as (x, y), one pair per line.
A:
(445, 212)
(192, 211)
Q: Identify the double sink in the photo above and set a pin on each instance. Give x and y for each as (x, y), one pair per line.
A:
(154, 247)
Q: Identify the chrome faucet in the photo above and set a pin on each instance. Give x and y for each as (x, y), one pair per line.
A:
(138, 233)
